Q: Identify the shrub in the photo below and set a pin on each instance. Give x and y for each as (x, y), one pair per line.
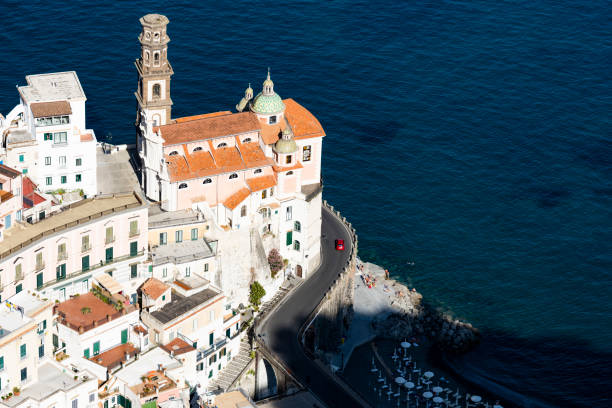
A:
(276, 261)
(257, 292)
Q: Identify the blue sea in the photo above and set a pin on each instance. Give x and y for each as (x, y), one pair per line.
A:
(471, 138)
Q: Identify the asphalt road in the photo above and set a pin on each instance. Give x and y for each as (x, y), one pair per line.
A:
(280, 329)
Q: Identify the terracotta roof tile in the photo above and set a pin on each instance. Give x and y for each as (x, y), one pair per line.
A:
(296, 166)
(252, 154)
(208, 128)
(154, 288)
(270, 133)
(140, 329)
(206, 115)
(5, 195)
(178, 346)
(31, 197)
(235, 199)
(260, 183)
(228, 159)
(112, 358)
(44, 109)
(9, 171)
(87, 137)
(303, 123)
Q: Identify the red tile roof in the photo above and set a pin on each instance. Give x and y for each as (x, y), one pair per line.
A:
(232, 201)
(44, 109)
(208, 127)
(303, 123)
(112, 358)
(296, 166)
(87, 137)
(178, 346)
(9, 171)
(260, 183)
(196, 117)
(29, 192)
(154, 288)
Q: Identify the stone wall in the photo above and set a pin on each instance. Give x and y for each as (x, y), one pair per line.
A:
(335, 312)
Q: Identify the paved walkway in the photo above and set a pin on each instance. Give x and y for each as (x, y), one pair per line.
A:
(115, 173)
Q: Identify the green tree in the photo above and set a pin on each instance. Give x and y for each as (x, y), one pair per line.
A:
(257, 292)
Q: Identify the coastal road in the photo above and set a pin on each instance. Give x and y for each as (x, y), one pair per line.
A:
(280, 330)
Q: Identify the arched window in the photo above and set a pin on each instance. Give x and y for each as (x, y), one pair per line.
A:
(222, 144)
(247, 140)
(156, 36)
(243, 211)
(173, 153)
(197, 149)
(156, 91)
(233, 176)
(288, 159)
(296, 245)
(156, 57)
(297, 226)
(257, 171)
(146, 56)
(207, 181)
(272, 120)
(182, 186)
(290, 173)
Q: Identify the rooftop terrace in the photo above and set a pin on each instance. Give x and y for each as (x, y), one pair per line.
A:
(181, 252)
(88, 311)
(162, 219)
(56, 86)
(74, 215)
(183, 304)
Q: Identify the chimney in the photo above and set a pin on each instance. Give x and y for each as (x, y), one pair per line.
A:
(108, 318)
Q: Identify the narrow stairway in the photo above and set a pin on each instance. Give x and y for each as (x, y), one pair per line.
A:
(229, 374)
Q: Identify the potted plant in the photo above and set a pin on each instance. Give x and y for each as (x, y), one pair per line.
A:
(16, 390)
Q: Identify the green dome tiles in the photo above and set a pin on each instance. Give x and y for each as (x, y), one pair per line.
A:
(268, 104)
(285, 146)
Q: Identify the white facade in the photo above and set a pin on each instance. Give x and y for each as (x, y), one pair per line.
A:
(52, 112)
(60, 255)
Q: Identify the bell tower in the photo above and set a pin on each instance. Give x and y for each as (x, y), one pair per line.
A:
(154, 72)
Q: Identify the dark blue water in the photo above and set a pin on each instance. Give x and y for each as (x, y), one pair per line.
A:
(471, 138)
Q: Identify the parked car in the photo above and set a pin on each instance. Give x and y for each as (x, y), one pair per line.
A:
(339, 245)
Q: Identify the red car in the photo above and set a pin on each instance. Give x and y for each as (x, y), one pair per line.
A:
(339, 245)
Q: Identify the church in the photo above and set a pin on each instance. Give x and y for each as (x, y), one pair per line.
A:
(258, 168)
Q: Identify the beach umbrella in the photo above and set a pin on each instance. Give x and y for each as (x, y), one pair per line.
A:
(438, 400)
(437, 389)
(428, 374)
(476, 398)
(427, 394)
(400, 380)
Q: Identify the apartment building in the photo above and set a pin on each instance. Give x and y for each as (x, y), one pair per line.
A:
(60, 255)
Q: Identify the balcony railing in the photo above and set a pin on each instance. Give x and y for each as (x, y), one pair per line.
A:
(203, 353)
(85, 248)
(62, 256)
(134, 233)
(109, 240)
(39, 266)
(92, 267)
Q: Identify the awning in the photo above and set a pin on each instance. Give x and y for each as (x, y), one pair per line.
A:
(108, 283)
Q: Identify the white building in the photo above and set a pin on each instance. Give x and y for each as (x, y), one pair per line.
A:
(45, 135)
(25, 340)
(190, 318)
(60, 255)
(89, 327)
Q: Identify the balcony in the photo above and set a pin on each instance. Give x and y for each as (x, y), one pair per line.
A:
(85, 248)
(109, 240)
(39, 266)
(92, 267)
(134, 233)
(62, 256)
(203, 353)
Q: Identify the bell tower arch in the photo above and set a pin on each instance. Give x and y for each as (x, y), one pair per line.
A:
(154, 71)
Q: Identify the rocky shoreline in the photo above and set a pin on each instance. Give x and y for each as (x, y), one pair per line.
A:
(416, 317)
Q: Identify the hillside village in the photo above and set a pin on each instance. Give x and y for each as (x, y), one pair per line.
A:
(126, 271)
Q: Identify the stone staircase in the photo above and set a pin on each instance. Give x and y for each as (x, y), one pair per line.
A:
(267, 306)
(229, 374)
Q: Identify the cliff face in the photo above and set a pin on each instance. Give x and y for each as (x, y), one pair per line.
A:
(335, 315)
